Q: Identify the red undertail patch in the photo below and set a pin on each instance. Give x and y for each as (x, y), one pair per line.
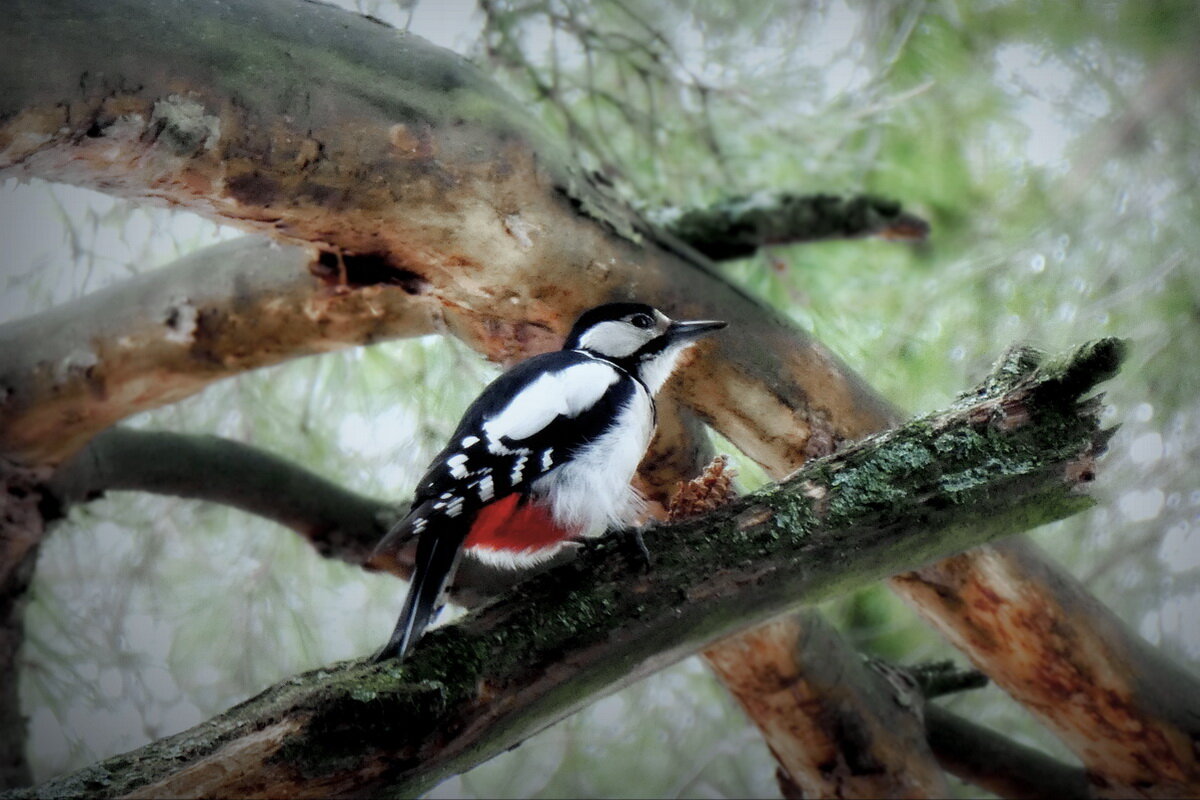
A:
(510, 525)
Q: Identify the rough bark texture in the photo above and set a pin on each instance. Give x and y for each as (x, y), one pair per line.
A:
(826, 719)
(1131, 716)
(991, 466)
(68, 373)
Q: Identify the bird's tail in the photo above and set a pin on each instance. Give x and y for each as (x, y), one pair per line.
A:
(437, 557)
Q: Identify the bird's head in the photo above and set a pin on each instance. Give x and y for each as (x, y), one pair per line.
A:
(638, 337)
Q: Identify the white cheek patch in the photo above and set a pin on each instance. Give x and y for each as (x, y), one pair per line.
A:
(614, 339)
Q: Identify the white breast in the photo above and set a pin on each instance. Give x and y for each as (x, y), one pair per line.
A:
(592, 492)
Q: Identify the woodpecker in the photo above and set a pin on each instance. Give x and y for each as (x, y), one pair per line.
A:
(543, 457)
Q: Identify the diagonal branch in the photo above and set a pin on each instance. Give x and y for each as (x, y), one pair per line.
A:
(68, 373)
(996, 763)
(342, 524)
(997, 463)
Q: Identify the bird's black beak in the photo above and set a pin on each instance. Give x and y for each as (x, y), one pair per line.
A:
(686, 331)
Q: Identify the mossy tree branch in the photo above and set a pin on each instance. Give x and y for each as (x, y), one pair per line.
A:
(738, 226)
(993, 465)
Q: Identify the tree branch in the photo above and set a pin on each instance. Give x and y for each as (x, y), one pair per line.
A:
(996, 763)
(993, 465)
(338, 522)
(738, 226)
(68, 373)
(315, 124)
(1129, 713)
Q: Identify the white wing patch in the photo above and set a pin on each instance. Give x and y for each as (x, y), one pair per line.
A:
(457, 465)
(518, 468)
(566, 393)
(486, 488)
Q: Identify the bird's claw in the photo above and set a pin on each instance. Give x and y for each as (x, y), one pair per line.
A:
(635, 539)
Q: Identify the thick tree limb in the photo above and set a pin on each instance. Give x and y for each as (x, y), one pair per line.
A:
(738, 226)
(999, 463)
(68, 373)
(822, 715)
(341, 524)
(311, 123)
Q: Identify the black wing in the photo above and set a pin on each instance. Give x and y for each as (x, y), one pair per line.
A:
(524, 425)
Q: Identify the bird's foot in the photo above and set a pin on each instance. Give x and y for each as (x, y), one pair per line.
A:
(636, 543)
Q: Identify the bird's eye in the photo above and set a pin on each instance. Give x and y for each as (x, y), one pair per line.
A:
(641, 321)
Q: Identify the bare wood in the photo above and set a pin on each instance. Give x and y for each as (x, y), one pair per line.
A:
(70, 372)
(826, 719)
(511, 668)
(1130, 714)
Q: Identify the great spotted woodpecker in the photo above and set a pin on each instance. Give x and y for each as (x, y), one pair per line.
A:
(544, 456)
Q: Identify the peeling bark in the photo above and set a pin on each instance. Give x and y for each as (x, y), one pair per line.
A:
(68, 373)
(824, 716)
(472, 689)
(1128, 713)
(214, 107)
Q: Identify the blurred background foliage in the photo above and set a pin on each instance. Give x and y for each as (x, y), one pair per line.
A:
(1050, 144)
